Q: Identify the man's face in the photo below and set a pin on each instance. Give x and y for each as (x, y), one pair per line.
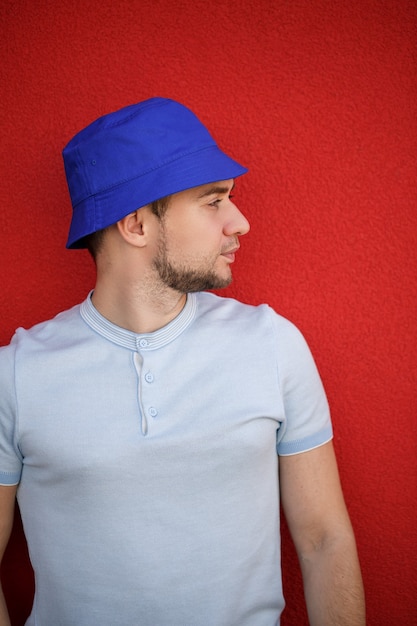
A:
(199, 237)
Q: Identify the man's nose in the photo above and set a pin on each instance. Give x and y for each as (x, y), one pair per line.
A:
(237, 223)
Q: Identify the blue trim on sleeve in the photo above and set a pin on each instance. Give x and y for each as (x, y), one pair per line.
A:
(9, 478)
(308, 443)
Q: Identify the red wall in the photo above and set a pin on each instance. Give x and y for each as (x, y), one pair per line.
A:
(319, 99)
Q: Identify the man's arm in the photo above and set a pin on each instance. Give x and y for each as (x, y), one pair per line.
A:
(7, 506)
(319, 524)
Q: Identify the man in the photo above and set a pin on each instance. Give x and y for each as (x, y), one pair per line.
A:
(142, 429)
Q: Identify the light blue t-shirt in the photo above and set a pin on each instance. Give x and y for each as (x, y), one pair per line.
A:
(147, 464)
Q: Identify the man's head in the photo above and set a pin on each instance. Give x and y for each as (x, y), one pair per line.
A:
(185, 242)
(133, 158)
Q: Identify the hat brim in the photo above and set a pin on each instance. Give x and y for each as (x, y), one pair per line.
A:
(103, 209)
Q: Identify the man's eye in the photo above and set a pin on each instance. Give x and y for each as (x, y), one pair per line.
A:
(215, 203)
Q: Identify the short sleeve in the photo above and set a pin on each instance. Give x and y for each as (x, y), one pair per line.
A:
(307, 422)
(10, 458)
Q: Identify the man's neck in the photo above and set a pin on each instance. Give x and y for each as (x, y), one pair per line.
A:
(138, 309)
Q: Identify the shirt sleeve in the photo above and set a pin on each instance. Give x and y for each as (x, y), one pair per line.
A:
(10, 458)
(307, 422)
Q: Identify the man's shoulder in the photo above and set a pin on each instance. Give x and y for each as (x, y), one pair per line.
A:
(223, 307)
(62, 325)
(233, 309)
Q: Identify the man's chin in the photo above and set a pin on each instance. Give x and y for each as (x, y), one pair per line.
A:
(210, 283)
(184, 280)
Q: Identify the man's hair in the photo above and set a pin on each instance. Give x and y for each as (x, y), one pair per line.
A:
(159, 207)
(94, 241)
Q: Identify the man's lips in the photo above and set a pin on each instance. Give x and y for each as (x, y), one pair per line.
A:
(230, 254)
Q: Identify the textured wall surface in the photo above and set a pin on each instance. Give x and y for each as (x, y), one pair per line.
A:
(319, 99)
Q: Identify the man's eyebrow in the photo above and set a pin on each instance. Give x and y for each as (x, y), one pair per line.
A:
(216, 189)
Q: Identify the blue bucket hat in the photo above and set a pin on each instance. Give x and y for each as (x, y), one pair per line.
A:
(129, 158)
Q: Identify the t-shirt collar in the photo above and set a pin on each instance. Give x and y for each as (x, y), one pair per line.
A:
(133, 341)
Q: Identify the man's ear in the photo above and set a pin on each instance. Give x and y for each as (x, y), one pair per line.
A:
(134, 227)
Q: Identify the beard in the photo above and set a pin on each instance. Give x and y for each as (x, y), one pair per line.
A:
(185, 279)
